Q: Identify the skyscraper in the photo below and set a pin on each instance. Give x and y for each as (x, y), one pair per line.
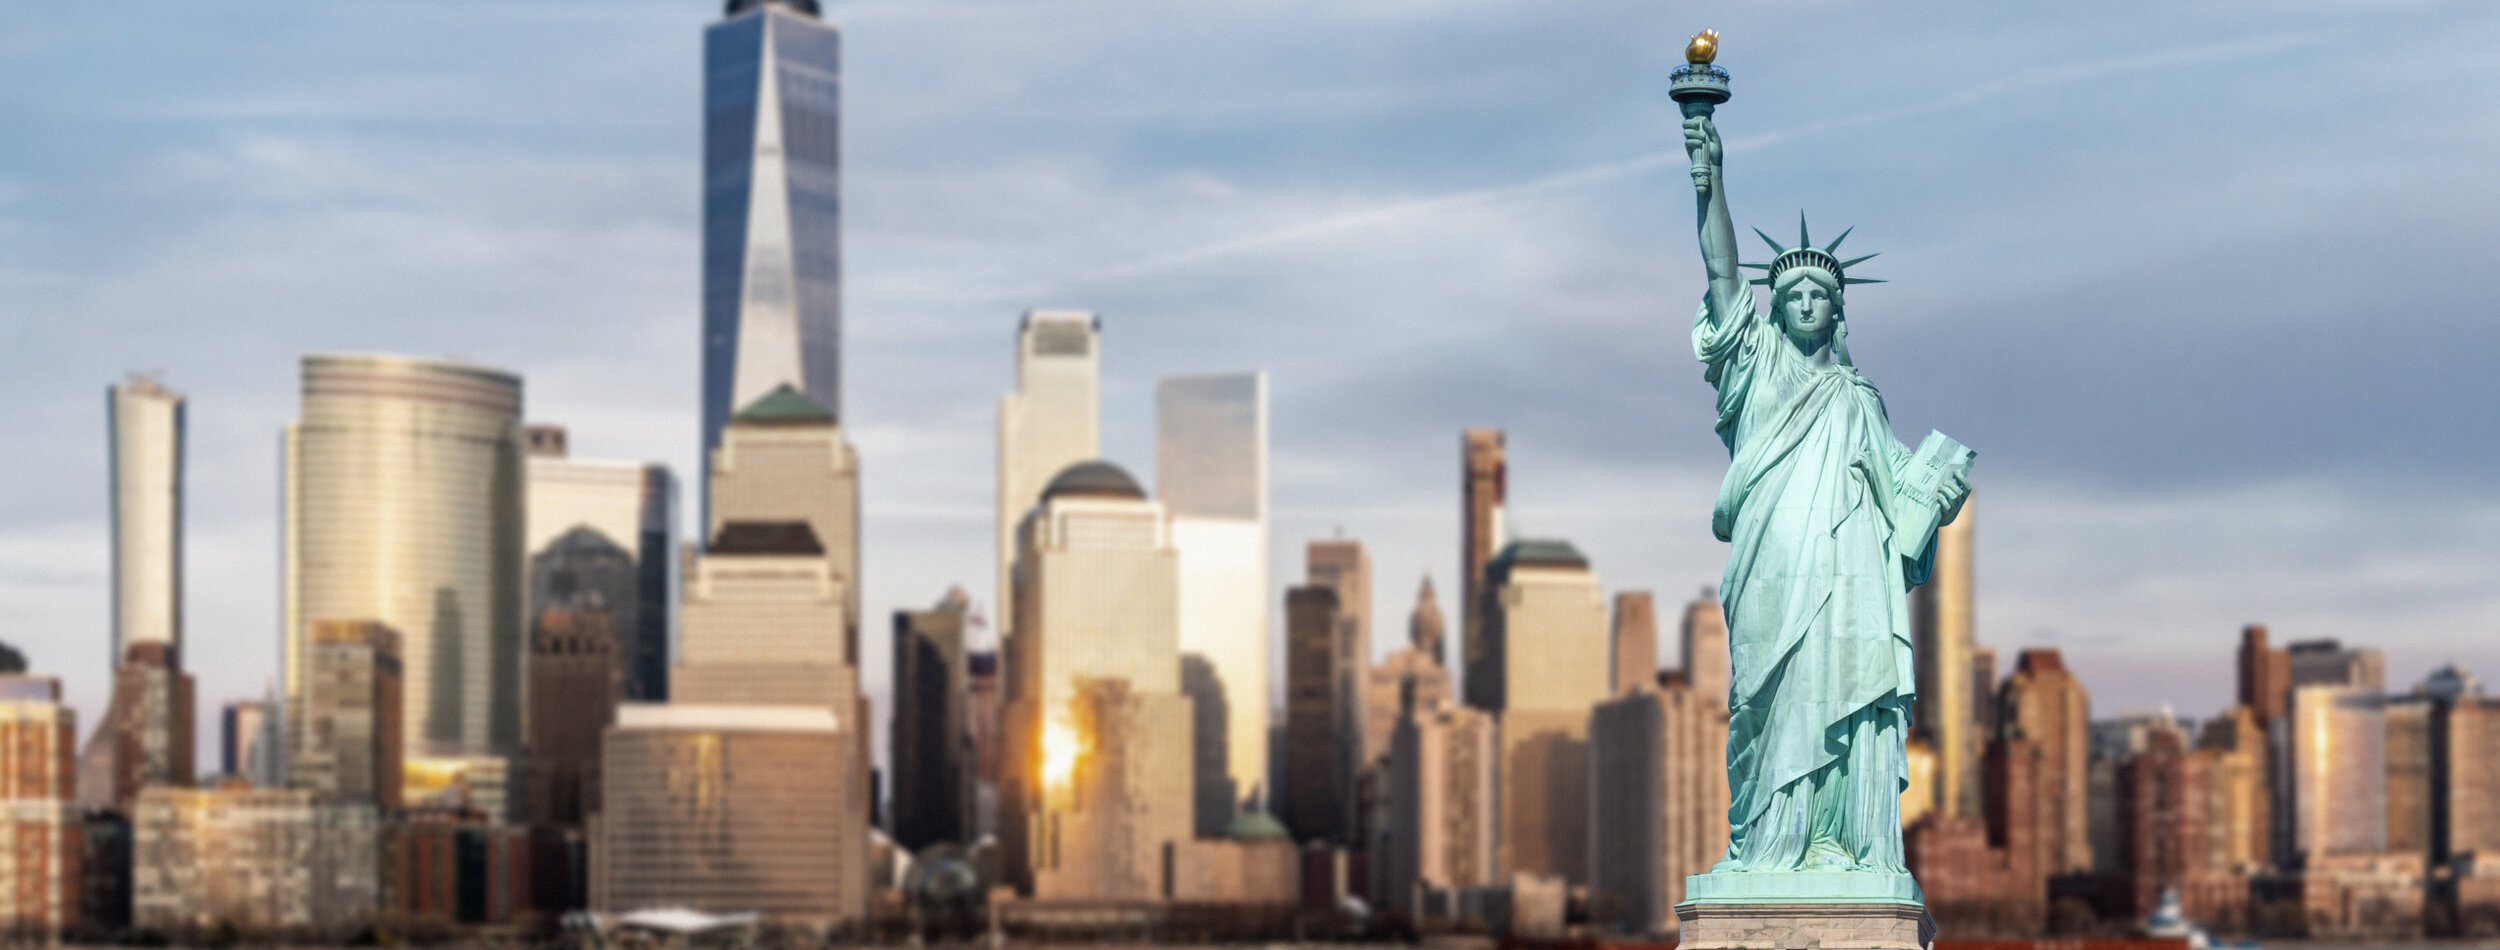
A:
(2264, 674)
(1411, 677)
(749, 790)
(1211, 471)
(1943, 615)
(1051, 421)
(1484, 476)
(1545, 643)
(931, 750)
(2046, 707)
(1658, 753)
(147, 448)
(404, 495)
(1342, 565)
(772, 265)
(1315, 789)
(606, 530)
(1705, 656)
(771, 606)
(2329, 663)
(1633, 643)
(1426, 631)
(246, 752)
(1442, 827)
(146, 735)
(2337, 740)
(1097, 752)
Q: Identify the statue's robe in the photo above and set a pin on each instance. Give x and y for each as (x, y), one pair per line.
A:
(1816, 598)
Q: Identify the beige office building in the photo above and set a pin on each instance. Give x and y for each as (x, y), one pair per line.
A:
(1659, 757)
(750, 790)
(1051, 421)
(1545, 633)
(1097, 754)
(2338, 770)
(784, 459)
(1211, 473)
(1943, 624)
(1633, 643)
(1441, 833)
(725, 809)
(404, 496)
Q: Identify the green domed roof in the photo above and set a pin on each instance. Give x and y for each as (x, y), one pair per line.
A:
(1533, 552)
(783, 406)
(1095, 479)
(1257, 826)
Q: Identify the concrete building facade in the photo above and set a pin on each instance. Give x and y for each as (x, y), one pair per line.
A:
(1545, 641)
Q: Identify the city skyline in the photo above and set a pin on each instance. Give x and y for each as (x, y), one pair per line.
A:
(260, 168)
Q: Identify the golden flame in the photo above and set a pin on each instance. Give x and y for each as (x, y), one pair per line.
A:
(1062, 748)
(1703, 49)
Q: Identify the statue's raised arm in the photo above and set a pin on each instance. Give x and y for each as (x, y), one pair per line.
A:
(1718, 231)
(1699, 88)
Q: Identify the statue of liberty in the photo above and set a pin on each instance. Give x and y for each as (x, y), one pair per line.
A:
(1830, 521)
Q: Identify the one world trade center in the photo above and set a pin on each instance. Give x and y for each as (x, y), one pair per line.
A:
(772, 264)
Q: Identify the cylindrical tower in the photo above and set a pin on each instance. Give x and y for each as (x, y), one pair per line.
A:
(404, 505)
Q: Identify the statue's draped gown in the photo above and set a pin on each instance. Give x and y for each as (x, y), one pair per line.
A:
(1816, 599)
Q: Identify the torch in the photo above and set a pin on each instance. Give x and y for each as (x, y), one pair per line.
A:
(1698, 86)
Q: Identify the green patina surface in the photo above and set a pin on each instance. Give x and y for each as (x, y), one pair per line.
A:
(1830, 520)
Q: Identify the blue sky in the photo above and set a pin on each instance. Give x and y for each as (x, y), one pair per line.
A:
(2196, 279)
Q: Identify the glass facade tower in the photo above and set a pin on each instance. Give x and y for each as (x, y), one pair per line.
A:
(772, 266)
(404, 505)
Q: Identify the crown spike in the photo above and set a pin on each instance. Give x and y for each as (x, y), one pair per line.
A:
(1776, 249)
(1844, 235)
(1853, 262)
(1802, 239)
(1861, 280)
(1761, 266)
(1760, 281)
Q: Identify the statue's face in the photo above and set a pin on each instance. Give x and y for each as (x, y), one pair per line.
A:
(1807, 308)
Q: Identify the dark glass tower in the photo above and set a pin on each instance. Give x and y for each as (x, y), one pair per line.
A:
(772, 266)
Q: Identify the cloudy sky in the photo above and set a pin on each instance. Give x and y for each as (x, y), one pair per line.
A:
(2198, 285)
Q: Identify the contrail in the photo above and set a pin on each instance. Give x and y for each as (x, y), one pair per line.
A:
(1610, 171)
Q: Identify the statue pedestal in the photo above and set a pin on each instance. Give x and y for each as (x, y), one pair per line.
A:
(1802, 910)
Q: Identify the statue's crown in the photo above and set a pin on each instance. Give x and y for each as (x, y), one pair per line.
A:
(1805, 254)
